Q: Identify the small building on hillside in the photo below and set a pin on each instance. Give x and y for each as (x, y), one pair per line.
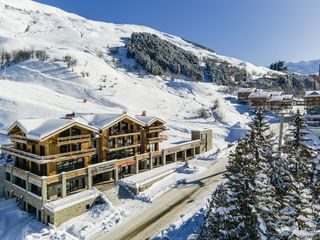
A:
(259, 99)
(281, 102)
(312, 102)
(244, 93)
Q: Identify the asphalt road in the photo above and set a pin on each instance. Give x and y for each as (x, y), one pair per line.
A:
(167, 208)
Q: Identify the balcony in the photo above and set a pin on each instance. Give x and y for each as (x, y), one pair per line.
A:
(18, 138)
(112, 149)
(49, 158)
(156, 129)
(73, 139)
(124, 133)
(23, 174)
(157, 139)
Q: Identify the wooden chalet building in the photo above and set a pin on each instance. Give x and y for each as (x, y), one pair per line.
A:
(281, 102)
(57, 162)
(312, 102)
(259, 99)
(243, 94)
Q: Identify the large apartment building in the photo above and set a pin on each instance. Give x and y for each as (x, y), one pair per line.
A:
(59, 161)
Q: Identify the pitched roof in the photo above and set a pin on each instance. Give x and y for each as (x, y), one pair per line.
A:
(260, 95)
(104, 120)
(246, 90)
(41, 128)
(312, 94)
(148, 120)
(276, 93)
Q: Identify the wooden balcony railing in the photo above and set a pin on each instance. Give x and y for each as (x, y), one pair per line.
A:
(157, 139)
(125, 133)
(23, 174)
(74, 139)
(49, 158)
(112, 149)
(18, 138)
(156, 129)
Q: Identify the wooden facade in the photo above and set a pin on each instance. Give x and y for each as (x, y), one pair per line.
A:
(312, 102)
(77, 156)
(244, 93)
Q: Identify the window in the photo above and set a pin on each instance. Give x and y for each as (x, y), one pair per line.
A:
(76, 147)
(20, 182)
(35, 189)
(42, 151)
(65, 133)
(124, 127)
(8, 178)
(116, 128)
(75, 131)
(120, 142)
(64, 149)
(70, 165)
(75, 184)
(130, 140)
(34, 168)
(43, 168)
(33, 149)
(111, 143)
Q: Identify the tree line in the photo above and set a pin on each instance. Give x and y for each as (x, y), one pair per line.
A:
(270, 193)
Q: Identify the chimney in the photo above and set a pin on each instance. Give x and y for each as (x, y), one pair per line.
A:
(144, 113)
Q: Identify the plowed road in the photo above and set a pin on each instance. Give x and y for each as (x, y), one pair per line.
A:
(167, 208)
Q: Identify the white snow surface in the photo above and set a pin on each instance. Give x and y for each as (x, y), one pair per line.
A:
(35, 89)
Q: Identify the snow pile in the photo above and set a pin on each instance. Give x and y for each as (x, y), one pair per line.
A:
(178, 177)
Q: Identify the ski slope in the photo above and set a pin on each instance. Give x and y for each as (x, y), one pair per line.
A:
(34, 89)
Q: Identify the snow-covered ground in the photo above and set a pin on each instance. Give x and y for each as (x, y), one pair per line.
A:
(35, 89)
(100, 217)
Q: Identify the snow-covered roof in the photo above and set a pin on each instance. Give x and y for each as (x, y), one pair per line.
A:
(260, 95)
(41, 128)
(312, 94)
(287, 97)
(71, 200)
(148, 120)
(246, 90)
(105, 120)
(276, 93)
(276, 99)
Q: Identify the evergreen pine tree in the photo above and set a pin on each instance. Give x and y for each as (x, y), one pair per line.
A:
(298, 213)
(246, 207)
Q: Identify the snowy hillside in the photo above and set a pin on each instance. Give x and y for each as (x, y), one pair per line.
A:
(49, 89)
(305, 67)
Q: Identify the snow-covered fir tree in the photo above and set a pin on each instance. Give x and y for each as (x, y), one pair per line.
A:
(246, 207)
(298, 211)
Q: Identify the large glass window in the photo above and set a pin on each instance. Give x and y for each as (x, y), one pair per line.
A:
(120, 142)
(69, 148)
(130, 140)
(111, 143)
(35, 189)
(70, 165)
(20, 182)
(125, 127)
(65, 133)
(75, 184)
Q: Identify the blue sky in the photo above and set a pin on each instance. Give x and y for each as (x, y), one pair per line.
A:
(259, 31)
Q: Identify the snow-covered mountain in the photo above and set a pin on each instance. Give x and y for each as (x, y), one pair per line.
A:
(48, 89)
(305, 67)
